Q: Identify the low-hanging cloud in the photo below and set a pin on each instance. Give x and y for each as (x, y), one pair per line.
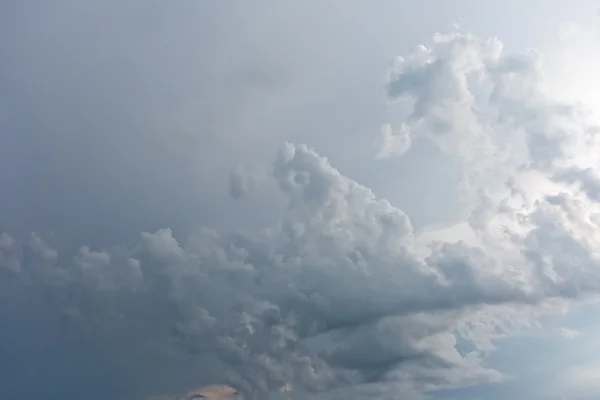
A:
(341, 298)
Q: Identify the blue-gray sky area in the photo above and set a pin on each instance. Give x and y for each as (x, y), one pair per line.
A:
(302, 200)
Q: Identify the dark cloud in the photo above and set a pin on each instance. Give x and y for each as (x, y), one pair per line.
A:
(332, 296)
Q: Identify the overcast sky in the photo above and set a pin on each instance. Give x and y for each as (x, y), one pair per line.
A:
(303, 200)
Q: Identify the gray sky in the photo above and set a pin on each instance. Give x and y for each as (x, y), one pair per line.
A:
(264, 121)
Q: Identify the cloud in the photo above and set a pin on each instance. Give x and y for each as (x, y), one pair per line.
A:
(244, 178)
(567, 333)
(9, 259)
(332, 296)
(393, 142)
(491, 110)
(341, 296)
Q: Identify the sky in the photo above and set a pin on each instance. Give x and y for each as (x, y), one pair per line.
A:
(300, 200)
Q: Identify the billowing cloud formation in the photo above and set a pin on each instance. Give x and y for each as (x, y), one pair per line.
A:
(341, 298)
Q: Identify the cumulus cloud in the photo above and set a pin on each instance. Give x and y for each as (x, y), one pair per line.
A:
(341, 298)
(393, 143)
(243, 178)
(491, 111)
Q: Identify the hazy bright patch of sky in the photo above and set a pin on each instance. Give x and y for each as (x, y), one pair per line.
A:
(303, 200)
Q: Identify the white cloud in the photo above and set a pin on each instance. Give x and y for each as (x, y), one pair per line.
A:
(393, 143)
(567, 333)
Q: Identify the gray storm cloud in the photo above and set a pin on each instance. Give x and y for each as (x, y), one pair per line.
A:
(341, 297)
